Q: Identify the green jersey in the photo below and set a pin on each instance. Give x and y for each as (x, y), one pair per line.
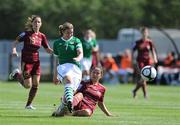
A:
(87, 47)
(67, 50)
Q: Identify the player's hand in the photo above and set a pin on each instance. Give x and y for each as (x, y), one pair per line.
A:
(75, 59)
(15, 54)
(109, 114)
(155, 61)
(56, 80)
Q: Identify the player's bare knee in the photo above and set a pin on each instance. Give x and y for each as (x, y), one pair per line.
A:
(35, 86)
(26, 75)
(87, 112)
(67, 79)
(27, 83)
(27, 86)
(79, 95)
(77, 98)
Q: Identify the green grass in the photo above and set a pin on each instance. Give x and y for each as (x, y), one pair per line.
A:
(161, 108)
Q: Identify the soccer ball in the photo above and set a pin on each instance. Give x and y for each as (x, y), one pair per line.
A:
(148, 73)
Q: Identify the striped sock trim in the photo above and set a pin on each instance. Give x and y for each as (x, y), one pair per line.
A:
(68, 94)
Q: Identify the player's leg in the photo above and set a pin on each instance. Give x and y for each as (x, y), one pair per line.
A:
(74, 78)
(87, 69)
(35, 72)
(144, 83)
(144, 89)
(61, 110)
(16, 75)
(26, 72)
(33, 91)
(68, 92)
(139, 81)
(137, 87)
(78, 97)
(71, 77)
(62, 72)
(83, 112)
(67, 100)
(86, 65)
(24, 77)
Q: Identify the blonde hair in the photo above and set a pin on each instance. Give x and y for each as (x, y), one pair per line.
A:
(91, 32)
(28, 24)
(88, 31)
(64, 27)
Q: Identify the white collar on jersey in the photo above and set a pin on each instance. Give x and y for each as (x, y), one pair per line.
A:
(66, 40)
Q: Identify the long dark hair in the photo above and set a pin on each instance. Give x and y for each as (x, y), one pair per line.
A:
(28, 24)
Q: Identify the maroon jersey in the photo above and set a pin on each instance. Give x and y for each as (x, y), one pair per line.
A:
(91, 94)
(143, 47)
(32, 42)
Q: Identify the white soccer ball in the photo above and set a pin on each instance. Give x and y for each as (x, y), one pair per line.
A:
(148, 73)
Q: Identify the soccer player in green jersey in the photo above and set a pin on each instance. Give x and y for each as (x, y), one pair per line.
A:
(69, 52)
(89, 45)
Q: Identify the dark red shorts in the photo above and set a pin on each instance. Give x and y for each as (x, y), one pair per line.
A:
(29, 69)
(142, 63)
(139, 66)
(81, 105)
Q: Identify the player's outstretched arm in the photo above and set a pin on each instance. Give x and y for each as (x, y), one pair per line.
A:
(49, 50)
(104, 109)
(80, 55)
(55, 79)
(154, 54)
(14, 44)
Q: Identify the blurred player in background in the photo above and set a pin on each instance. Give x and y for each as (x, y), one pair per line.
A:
(95, 52)
(69, 52)
(145, 48)
(33, 39)
(89, 45)
(89, 94)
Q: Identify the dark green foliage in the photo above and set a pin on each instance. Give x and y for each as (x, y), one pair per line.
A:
(104, 16)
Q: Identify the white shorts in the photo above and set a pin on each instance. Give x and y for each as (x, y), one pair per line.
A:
(69, 69)
(86, 64)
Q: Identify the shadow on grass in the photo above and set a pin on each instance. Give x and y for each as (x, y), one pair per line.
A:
(20, 116)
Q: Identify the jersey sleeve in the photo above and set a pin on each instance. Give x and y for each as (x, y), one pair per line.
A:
(103, 90)
(44, 41)
(134, 46)
(151, 45)
(78, 43)
(94, 43)
(21, 37)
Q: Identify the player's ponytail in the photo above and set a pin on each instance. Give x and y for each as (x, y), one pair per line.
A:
(64, 27)
(60, 30)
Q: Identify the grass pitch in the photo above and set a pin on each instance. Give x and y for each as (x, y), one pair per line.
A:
(161, 108)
